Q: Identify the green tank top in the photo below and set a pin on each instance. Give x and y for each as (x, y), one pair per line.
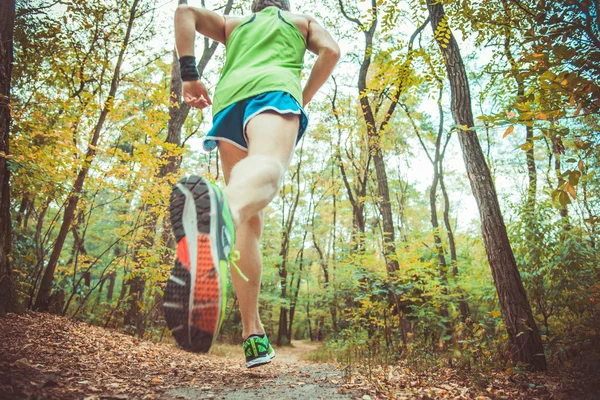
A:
(264, 53)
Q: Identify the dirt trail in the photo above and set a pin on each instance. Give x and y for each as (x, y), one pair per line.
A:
(287, 377)
(48, 357)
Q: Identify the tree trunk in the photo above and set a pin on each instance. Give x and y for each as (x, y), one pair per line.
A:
(374, 131)
(134, 317)
(355, 196)
(462, 303)
(525, 340)
(8, 294)
(283, 336)
(389, 237)
(374, 135)
(436, 164)
(529, 151)
(178, 112)
(294, 299)
(42, 300)
(111, 286)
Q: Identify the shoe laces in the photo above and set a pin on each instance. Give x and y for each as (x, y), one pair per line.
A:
(234, 257)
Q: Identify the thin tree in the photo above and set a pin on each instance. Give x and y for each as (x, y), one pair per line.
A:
(287, 222)
(370, 107)
(524, 337)
(42, 300)
(178, 113)
(8, 296)
(358, 190)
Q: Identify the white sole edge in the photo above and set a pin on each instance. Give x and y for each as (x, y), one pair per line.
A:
(189, 221)
(215, 255)
(258, 361)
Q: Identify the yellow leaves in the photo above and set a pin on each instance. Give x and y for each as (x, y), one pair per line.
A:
(523, 106)
(442, 33)
(509, 131)
(526, 146)
(495, 313)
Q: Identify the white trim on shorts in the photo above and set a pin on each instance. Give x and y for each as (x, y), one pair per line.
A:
(269, 108)
(217, 138)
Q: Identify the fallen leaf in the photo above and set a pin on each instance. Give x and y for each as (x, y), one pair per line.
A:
(23, 363)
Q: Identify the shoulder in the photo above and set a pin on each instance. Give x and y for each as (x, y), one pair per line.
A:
(231, 23)
(302, 21)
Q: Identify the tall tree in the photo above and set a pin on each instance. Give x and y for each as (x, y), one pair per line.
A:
(42, 300)
(287, 222)
(8, 296)
(525, 339)
(374, 133)
(370, 107)
(357, 192)
(178, 113)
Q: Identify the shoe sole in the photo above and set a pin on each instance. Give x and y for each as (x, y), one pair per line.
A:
(192, 300)
(257, 362)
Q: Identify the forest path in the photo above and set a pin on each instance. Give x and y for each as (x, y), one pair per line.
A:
(45, 356)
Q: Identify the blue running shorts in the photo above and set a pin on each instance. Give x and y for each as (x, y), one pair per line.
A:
(229, 124)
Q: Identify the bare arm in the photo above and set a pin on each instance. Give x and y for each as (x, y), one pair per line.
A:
(188, 20)
(320, 42)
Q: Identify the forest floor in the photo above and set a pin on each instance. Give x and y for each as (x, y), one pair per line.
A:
(48, 357)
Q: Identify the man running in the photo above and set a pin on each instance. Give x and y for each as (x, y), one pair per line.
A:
(258, 118)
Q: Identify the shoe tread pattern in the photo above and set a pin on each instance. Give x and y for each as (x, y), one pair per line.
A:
(190, 338)
(199, 190)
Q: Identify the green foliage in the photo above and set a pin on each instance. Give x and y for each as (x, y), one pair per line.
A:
(317, 259)
(559, 270)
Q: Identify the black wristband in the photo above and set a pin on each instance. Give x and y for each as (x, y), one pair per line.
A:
(188, 69)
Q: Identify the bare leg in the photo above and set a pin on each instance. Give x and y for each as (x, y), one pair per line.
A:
(253, 180)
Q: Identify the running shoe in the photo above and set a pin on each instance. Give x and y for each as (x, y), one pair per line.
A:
(194, 300)
(258, 351)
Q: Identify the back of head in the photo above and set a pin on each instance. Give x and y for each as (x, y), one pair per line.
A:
(259, 5)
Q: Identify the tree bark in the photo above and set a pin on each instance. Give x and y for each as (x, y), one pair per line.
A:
(41, 302)
(463, 306)
(296, 290)
(8, 294)
(134, 317)
(374, 133)
(530, 149)
(360, 187)
(111, 286)
(525, 340)
(283, 335)
(178, 112)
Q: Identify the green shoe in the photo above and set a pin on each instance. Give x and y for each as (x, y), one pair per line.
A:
(271, 352)
(194, 300)
(258, 351)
